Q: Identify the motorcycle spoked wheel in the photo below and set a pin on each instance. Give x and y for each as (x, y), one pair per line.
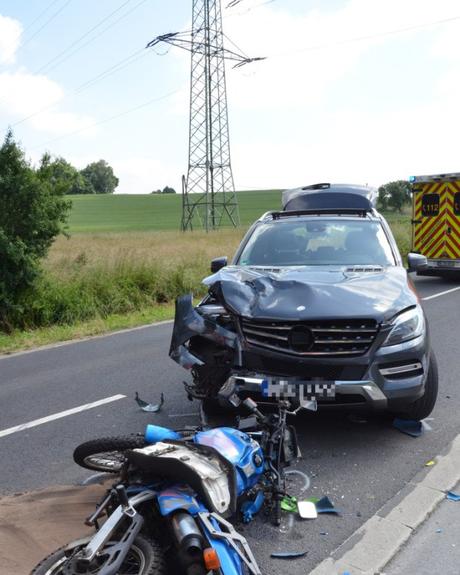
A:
(107, 453)
(145, 557)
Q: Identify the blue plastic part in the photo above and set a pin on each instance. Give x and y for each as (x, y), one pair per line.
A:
(178, 497)
(242, 451)
(154, 433)
(250, 508)
(230, 562)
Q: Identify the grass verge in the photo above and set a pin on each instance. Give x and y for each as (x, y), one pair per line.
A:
(28, 339)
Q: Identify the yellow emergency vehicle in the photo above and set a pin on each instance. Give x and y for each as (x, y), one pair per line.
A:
(436, 221)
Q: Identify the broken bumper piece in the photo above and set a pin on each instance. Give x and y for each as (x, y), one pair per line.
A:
(188, 323)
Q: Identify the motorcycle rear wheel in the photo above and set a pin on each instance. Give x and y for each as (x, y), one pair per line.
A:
(144, 558)
(107, 453)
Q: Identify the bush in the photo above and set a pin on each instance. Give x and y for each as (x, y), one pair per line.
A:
(31, 214)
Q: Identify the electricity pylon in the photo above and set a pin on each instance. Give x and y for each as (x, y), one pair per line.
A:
(208, 192)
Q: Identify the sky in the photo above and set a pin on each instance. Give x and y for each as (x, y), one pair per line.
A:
(356, 91)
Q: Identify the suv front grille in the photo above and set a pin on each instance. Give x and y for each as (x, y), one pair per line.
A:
(329, 337)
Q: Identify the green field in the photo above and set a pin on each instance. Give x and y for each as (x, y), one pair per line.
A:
(125, 261)
(155, 212)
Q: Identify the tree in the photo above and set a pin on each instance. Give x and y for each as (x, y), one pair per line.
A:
(397, 194)
(61, 175)
(32, 212)
(168, 190)
(101, 177)
(383, 198)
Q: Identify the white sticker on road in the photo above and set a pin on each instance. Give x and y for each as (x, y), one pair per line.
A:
(60, 415)
(440, 294)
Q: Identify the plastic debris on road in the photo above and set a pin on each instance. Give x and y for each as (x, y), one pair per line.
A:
(430, 463)
(289, 504)
(408, 426)
(307, 509)
(149, 407)
(288, 554)
(451, 496)
(439, 530)
(325, 505)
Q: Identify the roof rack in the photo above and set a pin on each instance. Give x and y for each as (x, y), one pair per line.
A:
(318, 211)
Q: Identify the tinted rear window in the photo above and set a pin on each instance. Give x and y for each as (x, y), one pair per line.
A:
(317, 242)
(457, 204)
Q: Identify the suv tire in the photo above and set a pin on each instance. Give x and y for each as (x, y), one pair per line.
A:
(425, 404)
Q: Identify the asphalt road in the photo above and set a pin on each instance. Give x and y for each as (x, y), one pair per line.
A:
(359, 466)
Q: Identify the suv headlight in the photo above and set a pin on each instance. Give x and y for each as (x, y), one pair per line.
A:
(407, 325)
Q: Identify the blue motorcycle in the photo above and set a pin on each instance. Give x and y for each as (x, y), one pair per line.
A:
(169, 511)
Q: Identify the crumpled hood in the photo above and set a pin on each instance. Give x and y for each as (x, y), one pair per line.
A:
(313, 292)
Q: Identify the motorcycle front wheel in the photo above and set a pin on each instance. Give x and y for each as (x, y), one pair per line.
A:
(145, 557)
(107, 453)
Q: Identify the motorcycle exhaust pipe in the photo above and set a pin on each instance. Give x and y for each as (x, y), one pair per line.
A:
(188, 537)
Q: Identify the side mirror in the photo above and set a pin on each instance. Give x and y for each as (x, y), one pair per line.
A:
(416, 262)
(218, 263)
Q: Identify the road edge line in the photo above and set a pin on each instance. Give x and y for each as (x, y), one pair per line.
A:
(83, 339)
(373, 545)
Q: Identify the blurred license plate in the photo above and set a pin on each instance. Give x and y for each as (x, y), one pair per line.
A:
(444, 264)
(295, 389)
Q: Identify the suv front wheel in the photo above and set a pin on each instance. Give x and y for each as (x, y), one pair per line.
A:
(425, 404)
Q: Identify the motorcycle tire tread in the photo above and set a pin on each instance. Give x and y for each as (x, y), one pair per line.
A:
(152, 550)
(103, 445)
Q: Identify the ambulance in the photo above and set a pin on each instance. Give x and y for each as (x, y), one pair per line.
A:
(436, 222)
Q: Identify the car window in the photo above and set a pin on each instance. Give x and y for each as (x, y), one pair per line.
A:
(317, 242)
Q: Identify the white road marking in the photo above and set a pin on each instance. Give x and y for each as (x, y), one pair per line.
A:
(84, 339)
(60, 415)
(440, 293)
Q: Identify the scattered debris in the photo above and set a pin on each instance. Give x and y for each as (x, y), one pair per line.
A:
(325, 505)
(430, 463)
(439, 530)
(289, 504)
(288, 554)
(307, 509)
(149, 407)
(451, 496)
(408, 426)
(323, 533)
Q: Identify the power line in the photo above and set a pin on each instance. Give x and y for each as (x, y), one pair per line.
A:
(50, 19)
(78, 48)
(110, 119)
(368, 37)
(83, 36)
(134, 57)
(40, 16)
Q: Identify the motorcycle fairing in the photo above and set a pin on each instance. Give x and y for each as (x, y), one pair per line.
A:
(178, 497)
(242, 451)
(201, 467)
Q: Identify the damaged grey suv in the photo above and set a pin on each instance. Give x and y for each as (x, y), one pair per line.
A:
(316, 305)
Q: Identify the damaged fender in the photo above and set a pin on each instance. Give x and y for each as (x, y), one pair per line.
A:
(188, 323)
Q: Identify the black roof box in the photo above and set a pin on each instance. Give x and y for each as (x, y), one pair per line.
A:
(329, 197)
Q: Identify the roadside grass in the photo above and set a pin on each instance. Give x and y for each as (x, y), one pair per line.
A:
(29, 339)
(99, 282)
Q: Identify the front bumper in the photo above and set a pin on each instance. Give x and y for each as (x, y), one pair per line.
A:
(394, 378)
(382, 378)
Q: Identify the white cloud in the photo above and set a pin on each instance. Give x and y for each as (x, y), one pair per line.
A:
(24, 94)
(10, 36)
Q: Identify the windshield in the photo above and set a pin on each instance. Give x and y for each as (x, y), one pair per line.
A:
(317, 242)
